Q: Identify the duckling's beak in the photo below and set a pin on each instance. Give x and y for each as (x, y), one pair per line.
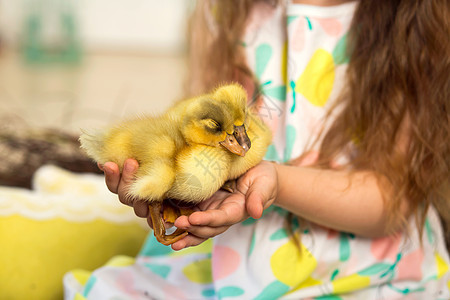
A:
(238, 142)
(242, 138)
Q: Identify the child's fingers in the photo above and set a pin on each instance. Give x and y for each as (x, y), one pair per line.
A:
(127, 178)
(228, 214)
(259, 196)
(206, 231)
(182, 222)
(112, 176)
(256, 202)
(189, 241)
(141, 208)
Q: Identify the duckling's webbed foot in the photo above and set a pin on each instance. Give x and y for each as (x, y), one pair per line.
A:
(170, 214)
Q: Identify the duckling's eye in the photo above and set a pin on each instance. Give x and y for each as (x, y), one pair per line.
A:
(212, 125)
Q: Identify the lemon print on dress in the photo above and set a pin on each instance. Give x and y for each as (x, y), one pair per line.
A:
(289, 255)
(204, 248)
(442, 266)
(316, 81)
(350, 283)
(309, 282)
(199, 271)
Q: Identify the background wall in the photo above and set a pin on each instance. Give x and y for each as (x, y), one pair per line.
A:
(111, 25)
(124, 57)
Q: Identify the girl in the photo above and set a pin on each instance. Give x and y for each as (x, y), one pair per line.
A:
(357, 96)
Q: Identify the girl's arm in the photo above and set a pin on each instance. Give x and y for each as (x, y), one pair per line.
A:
(343, 200)
(335, 199)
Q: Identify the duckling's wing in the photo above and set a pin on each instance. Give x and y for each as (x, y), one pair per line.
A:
(200, 171)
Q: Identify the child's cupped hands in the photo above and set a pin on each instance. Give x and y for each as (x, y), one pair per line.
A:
(255, 191)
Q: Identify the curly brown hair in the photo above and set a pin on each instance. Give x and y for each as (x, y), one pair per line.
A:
(395, 108)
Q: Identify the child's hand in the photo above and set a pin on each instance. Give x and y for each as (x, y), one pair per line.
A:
(118, 184)
(256, 190)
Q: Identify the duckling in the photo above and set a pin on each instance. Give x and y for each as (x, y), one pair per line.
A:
(187, 153)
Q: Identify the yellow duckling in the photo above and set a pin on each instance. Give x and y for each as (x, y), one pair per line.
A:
(186, 154)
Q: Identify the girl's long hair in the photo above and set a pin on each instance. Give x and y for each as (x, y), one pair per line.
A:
(395, 109)
(216, 53)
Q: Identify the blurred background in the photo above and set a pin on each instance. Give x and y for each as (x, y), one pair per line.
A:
(72, 64)
(67, 65)
(78, 63)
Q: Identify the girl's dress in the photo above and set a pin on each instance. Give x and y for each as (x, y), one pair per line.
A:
(298, 54)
